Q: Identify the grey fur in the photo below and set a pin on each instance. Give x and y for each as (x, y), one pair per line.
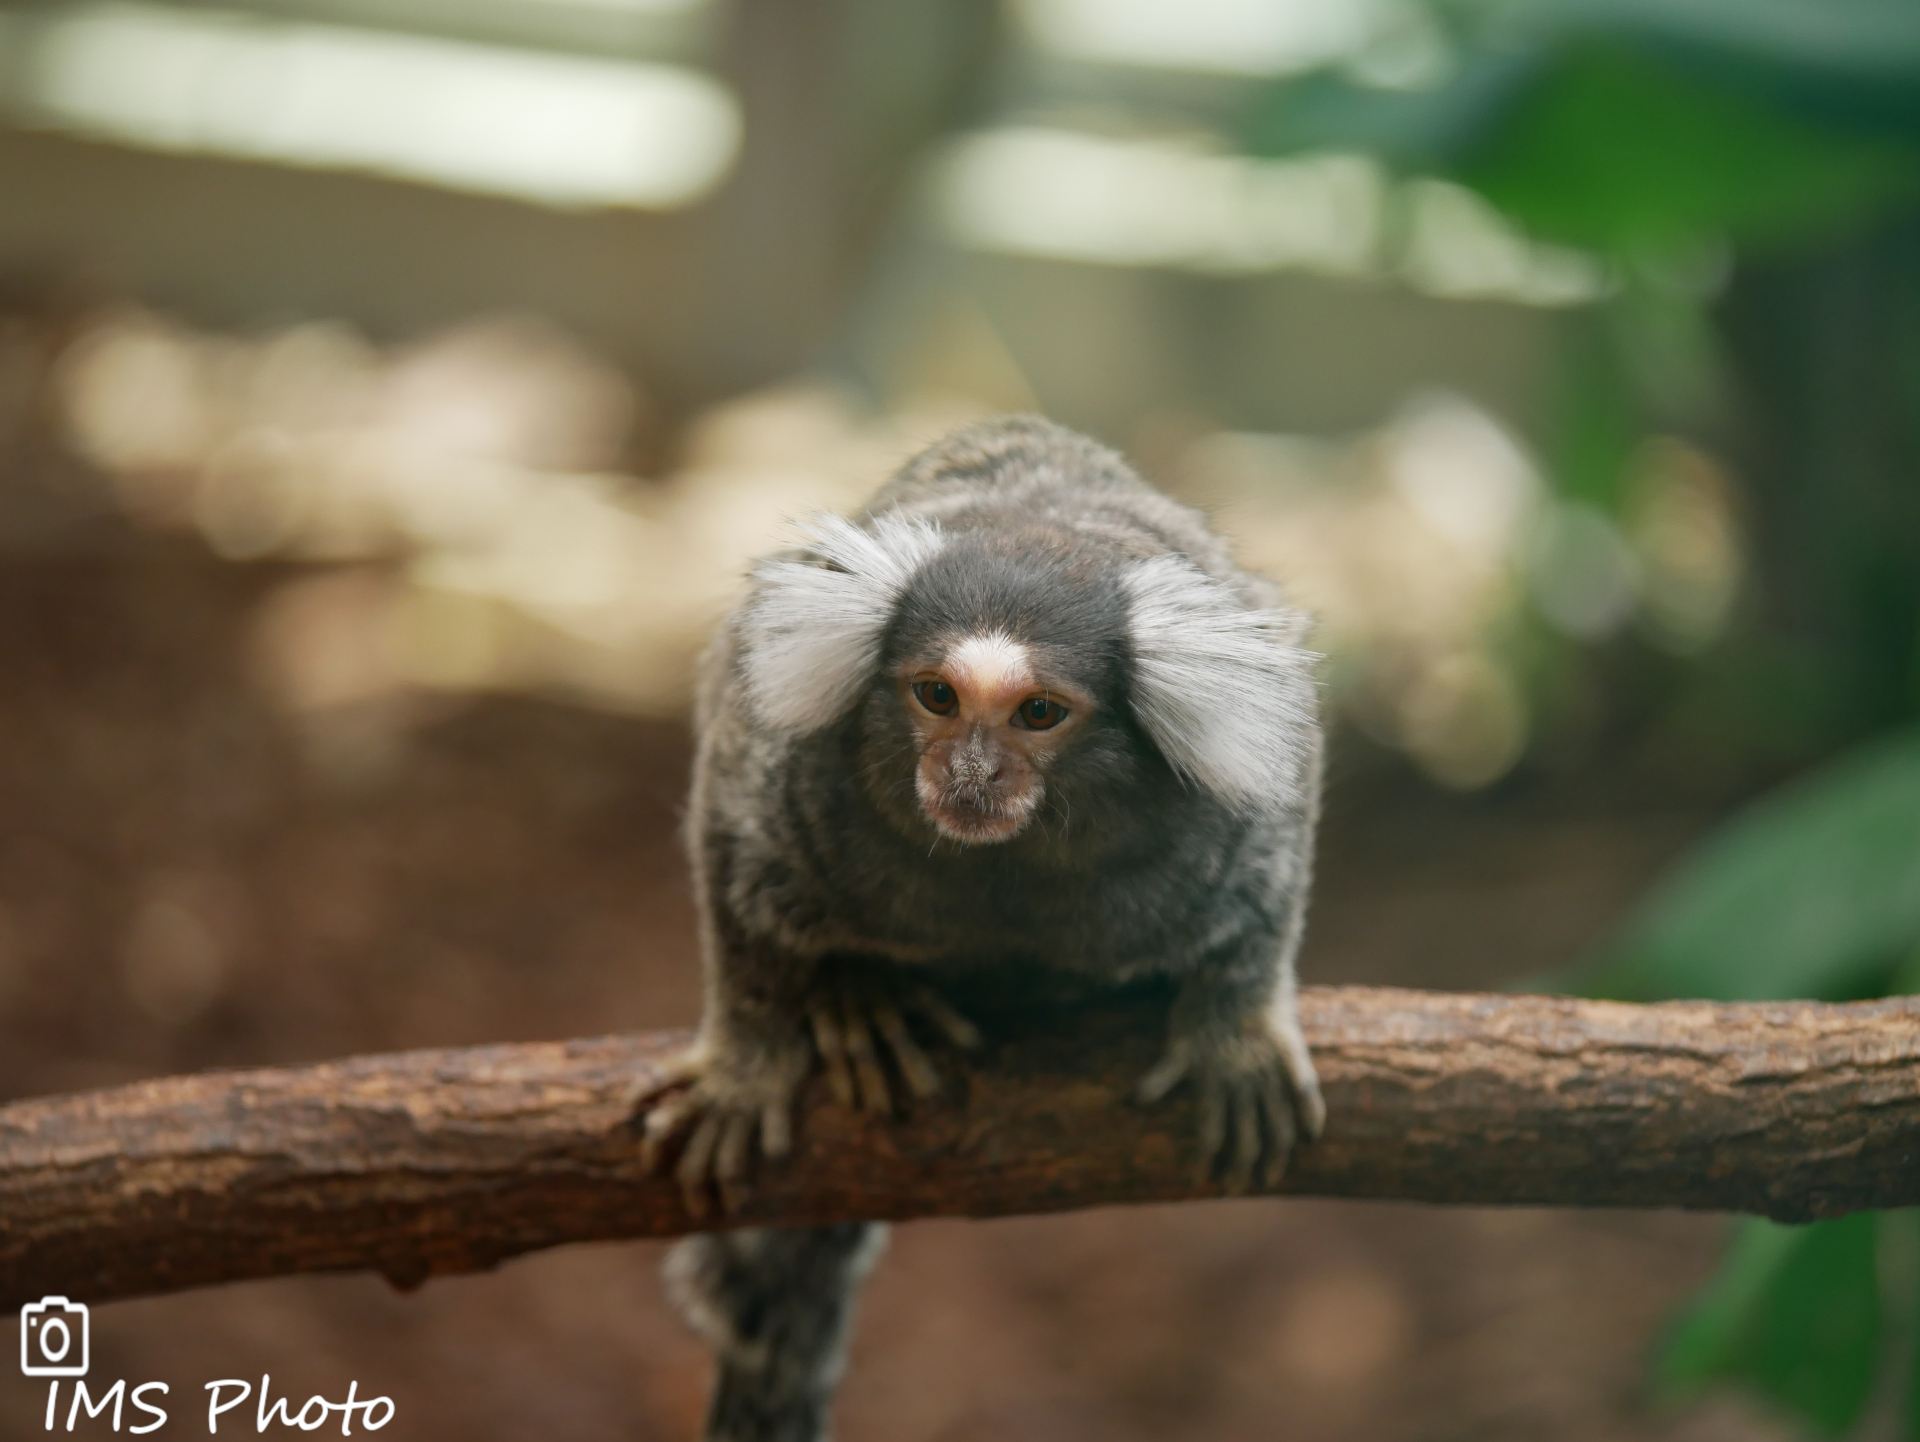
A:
(777, 1306)
(816, 629)
(1199, 657)
(1174, 839)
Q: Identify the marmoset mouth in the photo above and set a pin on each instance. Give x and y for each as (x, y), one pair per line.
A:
(978, 816)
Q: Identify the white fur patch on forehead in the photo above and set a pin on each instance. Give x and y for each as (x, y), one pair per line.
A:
(811, 633)
(1226, 692)
(990, 665)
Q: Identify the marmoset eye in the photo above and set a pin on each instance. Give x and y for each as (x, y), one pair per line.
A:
(1040, 714)
(937, 696)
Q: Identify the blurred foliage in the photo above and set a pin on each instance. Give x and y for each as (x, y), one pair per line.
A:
(1602, 142)
(1631, 152)
(1812, 892)
(1796, 1314)
(1620, 124)
(1784, 135)
(1595, 432)
(1691, 144)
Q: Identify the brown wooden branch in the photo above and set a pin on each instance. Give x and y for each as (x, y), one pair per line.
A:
(447, 1161)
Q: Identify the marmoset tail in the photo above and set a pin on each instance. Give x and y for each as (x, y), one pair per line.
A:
(777, 1305)
(1025, 715)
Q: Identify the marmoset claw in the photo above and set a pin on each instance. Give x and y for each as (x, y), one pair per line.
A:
(722, 1118)
(731, 1113)
(1255, 1102)
(675, 1071)
(851, 1026)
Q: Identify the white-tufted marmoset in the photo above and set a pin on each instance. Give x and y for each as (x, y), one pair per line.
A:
(1023, 713)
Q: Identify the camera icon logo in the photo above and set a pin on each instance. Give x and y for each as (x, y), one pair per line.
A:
(53, 1338)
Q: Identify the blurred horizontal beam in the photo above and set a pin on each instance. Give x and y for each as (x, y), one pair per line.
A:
(573, 131)
(434, 1162)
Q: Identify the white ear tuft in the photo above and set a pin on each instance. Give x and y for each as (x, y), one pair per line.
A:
(812, 632)
(1225, 692)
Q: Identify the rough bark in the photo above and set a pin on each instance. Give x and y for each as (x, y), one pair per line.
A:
(448, 1161)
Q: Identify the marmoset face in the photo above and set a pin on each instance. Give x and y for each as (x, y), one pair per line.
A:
(988, 722)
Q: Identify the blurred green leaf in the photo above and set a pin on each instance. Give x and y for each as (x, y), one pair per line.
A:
(1906, 979)
(1626, 151)
(1812, 892)
(1417, 130)
(1845, 62)
(1599, 424)
(1628, 125)
(1794, 1312)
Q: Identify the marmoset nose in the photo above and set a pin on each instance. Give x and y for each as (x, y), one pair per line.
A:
(974, 765)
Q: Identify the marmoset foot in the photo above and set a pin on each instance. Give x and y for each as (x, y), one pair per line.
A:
(859, 1023)
(730, 1105)
(734, 1102)
(1257, 1098)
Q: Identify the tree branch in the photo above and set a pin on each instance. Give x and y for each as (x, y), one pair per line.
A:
(434, 1162)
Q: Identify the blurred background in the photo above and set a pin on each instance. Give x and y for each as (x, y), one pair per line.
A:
(392, 391)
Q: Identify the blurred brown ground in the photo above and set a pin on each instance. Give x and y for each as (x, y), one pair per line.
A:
(190, 879)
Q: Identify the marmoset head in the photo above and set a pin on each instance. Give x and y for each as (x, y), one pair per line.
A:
(998, 666)
(986, 726)
(1002, 675)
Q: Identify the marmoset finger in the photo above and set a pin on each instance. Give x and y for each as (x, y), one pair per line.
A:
(776, 1128)
(732, 1154)
(936, 1009)
(1212, 1127)
(664, 1077)
(1278, 1103)
(831, 1041)
(922, 1079)
(732, 1158)
(666, 1121)
(1310, 1108)
(875, 1096)
(1166, 1074)
(1244, 1144)
(696, 1164)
